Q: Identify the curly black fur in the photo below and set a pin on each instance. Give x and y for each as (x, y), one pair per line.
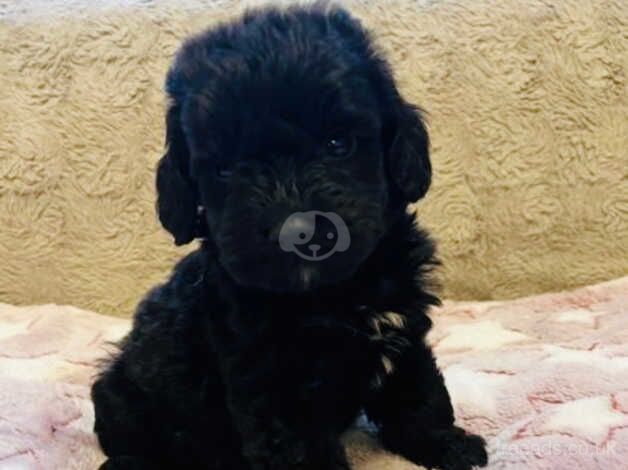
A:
(250, 357)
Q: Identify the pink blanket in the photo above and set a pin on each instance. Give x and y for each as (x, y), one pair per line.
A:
(544, 378)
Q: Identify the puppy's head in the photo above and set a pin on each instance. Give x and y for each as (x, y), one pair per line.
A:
(287, 138)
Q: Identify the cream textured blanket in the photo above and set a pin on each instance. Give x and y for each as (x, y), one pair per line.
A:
(527, 106)
(544, 378)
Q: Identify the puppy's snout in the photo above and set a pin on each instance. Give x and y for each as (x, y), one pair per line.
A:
(295, 229)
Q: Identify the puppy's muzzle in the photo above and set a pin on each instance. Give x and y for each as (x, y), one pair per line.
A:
(293, 227)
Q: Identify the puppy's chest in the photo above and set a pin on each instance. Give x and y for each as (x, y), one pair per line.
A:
(367, 341)
(389, 337)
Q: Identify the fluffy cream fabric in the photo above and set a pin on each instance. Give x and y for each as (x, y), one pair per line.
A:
(527, 104)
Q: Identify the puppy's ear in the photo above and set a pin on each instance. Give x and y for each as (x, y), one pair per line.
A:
(405, 137)
(408, 152)
(177, 195)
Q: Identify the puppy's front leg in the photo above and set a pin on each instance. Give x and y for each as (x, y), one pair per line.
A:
(416, 419)
(269, 417)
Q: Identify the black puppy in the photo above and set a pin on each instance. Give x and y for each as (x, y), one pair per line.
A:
(270, 339)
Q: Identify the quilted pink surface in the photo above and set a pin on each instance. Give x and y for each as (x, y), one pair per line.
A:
(544, 378)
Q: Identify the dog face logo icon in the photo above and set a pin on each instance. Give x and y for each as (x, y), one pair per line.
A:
(314, 235)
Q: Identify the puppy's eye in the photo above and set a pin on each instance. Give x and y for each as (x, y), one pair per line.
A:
(223, 172)
(340, 146)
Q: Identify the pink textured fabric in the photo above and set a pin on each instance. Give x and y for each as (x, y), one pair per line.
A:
(544, 378)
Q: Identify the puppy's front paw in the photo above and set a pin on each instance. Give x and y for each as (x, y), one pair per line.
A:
(290, 454)
(275, 453)
(446, 449)
(461, 450)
